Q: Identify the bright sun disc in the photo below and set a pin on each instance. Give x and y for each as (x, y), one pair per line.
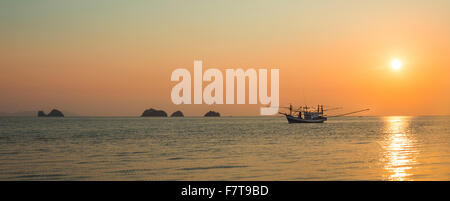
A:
(396, 64)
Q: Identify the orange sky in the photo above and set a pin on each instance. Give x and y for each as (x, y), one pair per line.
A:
(116, 58)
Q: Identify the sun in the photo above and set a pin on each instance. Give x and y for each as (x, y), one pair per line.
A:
(396, 64)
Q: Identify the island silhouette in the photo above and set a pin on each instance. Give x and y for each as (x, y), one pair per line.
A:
(161, 113)
(154, 113)
(177, 114)
(212, 114)
(53, 113)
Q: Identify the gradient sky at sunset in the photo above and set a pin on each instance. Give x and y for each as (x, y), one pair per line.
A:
(116, 57)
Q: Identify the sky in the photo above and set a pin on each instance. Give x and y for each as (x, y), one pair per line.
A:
(115, 58)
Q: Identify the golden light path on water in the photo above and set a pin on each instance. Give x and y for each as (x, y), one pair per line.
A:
(400, 150)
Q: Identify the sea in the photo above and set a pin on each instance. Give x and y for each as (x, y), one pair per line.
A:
(393, 148)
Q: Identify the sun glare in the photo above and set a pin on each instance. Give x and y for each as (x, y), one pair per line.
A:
(396, 64)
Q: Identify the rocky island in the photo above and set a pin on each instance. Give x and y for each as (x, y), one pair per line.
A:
(177, 114)
(53, 113)
(212, 114)
(154, 113)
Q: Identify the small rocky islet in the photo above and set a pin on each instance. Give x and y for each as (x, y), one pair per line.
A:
(53, 113)
(177, 114)
(154, 113)
(212, 114)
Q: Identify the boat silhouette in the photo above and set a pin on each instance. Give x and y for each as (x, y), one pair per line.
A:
(305, 114)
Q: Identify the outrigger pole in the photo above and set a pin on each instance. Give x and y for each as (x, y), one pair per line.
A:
(349, 113)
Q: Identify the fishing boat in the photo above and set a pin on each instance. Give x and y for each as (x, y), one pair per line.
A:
(305, 114)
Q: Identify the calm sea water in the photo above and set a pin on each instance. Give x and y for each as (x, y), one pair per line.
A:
(227, 148)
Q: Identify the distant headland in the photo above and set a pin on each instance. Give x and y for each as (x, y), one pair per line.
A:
(53, 113)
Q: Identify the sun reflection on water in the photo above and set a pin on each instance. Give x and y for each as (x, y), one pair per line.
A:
(399, 155)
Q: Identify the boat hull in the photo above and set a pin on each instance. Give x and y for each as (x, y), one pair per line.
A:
(292, 119)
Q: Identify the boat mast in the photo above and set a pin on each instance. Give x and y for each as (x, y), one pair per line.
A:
(290, 109)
